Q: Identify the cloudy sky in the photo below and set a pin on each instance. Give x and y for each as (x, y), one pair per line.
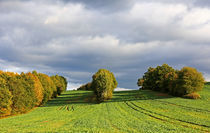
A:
(75, 38)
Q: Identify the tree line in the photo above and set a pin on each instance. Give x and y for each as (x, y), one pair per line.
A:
(20, 93)
(185, 82)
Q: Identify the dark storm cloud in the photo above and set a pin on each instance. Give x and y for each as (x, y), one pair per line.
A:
(77, 37)
(105, 5)
(202, 3)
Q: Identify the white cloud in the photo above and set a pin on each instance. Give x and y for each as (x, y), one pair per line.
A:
(196, 17)
(157, 13)
(12, 67)
(73, 86)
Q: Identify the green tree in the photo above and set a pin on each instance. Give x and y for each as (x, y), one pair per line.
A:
(164, 78)
(149, 79)
(5, 97)
(87, 87)
(158, 79)
(60, 83)
(103, 84)
(24, 97)
(20, 93)
(189, 81)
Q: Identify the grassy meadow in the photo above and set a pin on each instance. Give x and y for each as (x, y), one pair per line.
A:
(128, 111)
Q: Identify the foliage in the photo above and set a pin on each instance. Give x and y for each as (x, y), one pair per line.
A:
(24, 97)
(207, 83)
(103, 84)
(140, 82)
(36, 86)
(164, 78)
(64, 83)
(50, 90)
(20, 93)
(193, 96)
(60, 83)
(189, 81)
(5, 98)
(158, 79)
(87, 87)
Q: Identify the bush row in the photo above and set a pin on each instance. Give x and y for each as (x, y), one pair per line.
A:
(176, 82)
(20, 93)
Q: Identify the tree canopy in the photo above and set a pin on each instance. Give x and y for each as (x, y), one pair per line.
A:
(103, 83)
(176, 82)
(20, 93)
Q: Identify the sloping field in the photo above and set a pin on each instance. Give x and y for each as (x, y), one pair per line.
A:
(128, 111)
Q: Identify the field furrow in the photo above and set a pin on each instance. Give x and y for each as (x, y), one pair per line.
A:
(169, 119)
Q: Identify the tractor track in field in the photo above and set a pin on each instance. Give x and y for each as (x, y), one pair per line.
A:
(169, 117)
(149, 113)
(185, 107)
(115, 127)
(124, 112)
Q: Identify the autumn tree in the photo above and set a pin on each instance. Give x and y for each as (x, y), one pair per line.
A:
(60, 83)
(189, 81)
(24, 97)
(50, 90)
(5, 96)
(164, 78)
(20, 93)
(36, 86)
(158, 79)
(103, 83)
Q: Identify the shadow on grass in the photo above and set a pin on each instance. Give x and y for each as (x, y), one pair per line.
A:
(73, 98)
(133, 95)
(86, 97)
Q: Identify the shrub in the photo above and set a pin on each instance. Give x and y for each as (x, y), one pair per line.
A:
(82, 87)
(207, 83)
(189, 81)
(103, 84)
(192, 96)
(87, 86)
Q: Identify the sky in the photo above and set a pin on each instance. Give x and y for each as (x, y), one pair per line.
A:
(75, 38)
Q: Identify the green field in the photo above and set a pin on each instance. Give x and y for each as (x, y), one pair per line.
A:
(128, 111)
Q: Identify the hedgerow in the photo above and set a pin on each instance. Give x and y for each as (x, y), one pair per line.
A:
(20, 93)
(176, 82)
